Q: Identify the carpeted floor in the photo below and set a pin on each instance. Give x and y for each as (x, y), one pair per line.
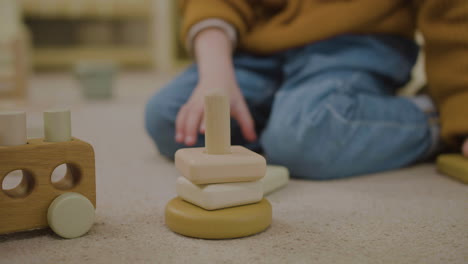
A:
(412, 215)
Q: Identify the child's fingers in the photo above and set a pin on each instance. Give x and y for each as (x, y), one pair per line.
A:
(192, 124)
(202, 125)
(180, 125)
(242, 115)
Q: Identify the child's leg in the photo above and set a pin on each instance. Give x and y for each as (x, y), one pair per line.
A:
(335, 115)
(257, 78)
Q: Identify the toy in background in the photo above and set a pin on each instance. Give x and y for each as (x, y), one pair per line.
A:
(14, 44)
(276, 177)
(67, 205)
(454, 165)
(96, 78)
(221, 193)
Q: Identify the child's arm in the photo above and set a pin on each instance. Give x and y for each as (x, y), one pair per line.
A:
(213, 51)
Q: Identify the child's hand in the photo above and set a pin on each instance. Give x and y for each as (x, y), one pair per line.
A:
(216, 71)
(465, 148)
(190, 119)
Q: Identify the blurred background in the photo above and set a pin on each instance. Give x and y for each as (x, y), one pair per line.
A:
(102, 59)
(66, 52)
(87, 44)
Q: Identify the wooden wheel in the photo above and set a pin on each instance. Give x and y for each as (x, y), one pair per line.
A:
(71, 215)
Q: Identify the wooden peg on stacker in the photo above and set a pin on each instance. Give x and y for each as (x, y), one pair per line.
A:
(12, 128)
(217, 123)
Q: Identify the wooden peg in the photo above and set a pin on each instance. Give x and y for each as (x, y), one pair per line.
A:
(12, 128)
(217, 123)
(57, 125)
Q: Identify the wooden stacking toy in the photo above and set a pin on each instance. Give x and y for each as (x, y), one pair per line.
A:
(220, 195)
(67, 205)
(453, 165)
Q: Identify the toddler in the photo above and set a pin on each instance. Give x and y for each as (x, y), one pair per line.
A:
(312, 82)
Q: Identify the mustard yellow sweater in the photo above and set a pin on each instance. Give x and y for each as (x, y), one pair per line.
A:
(267, 26)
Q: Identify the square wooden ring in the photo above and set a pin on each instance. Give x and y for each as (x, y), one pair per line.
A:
(240, 165)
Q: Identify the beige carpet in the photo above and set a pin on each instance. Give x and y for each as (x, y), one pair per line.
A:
(412, 215)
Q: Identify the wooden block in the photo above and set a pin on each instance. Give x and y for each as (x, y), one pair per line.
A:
(70, 215)
(453, 165)
(202, 168)
(275, 178)
(12, 128)
(57, 125)
(220, 195)
(190, 220)
(23, 211)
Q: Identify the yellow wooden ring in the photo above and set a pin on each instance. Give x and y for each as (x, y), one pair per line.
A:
(190, 220)
(71, 215)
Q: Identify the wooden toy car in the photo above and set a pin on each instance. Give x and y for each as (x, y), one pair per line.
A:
(67, 206)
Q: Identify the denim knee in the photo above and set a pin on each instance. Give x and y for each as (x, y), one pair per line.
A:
(309, 144)
(335, 137)
(281, 148)
(160, 125)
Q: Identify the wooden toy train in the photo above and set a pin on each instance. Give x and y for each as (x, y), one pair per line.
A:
(67, 205)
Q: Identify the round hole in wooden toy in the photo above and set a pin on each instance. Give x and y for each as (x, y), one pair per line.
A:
(65, 176)
(18, 183)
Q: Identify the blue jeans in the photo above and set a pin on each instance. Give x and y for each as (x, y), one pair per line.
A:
(326, 110)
